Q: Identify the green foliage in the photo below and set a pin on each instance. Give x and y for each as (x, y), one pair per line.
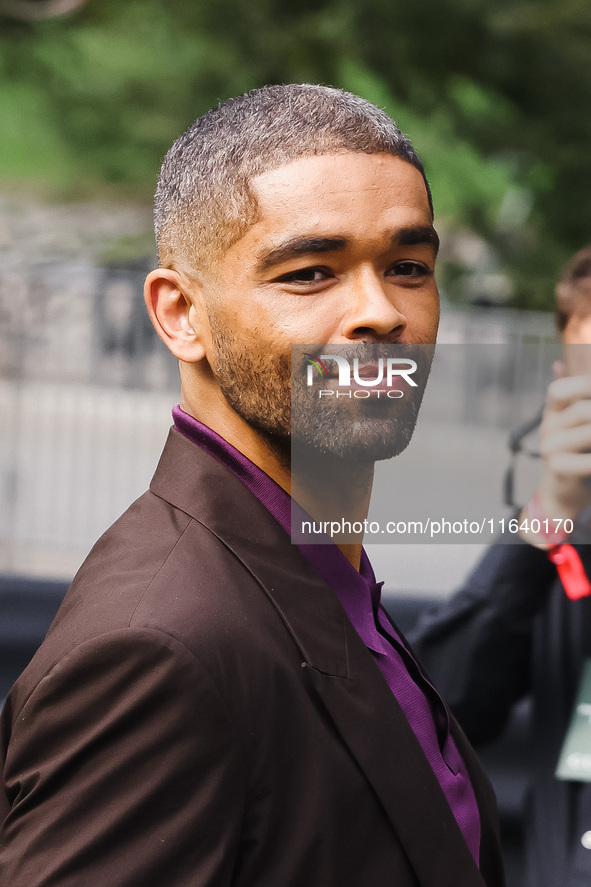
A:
(495, 97)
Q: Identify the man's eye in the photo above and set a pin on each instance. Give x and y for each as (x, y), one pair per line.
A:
(409, 269)
(305, 276)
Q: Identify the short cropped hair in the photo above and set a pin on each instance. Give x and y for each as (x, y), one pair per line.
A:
(573, 290)
(203, 201)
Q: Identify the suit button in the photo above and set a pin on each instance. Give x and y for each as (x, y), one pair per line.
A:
(586, 840)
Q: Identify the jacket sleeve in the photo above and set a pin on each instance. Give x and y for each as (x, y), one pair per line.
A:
(122, 768)
(477, 646)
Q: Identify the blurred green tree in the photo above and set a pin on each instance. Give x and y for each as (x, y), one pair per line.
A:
(494, 95)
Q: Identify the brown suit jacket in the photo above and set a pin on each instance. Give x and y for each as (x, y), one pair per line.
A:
(203, 714)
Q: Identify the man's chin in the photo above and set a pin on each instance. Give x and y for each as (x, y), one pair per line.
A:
(362, 447)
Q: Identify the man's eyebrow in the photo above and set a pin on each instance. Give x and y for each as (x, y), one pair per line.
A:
(299, 246)
(417, 236)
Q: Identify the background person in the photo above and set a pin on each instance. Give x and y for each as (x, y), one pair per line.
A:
(517, 626)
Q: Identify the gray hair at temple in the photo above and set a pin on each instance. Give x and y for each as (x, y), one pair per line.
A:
(573, 290)
(203, 201)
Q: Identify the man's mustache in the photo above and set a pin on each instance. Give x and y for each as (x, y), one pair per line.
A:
(367, 354)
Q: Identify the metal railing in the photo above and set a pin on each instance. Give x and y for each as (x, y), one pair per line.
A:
(86, 390)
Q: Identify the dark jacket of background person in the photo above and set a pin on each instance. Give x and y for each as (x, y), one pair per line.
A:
(509, 631)
(205, 714)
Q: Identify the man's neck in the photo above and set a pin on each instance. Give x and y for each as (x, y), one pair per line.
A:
(335, 493)
(326, 487)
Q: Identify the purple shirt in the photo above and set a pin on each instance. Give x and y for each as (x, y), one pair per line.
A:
(359, 594)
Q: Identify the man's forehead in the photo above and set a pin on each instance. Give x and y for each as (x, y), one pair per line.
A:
(340, 198)
(338, 174)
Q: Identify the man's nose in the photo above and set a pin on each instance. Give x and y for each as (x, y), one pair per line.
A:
(371, 312)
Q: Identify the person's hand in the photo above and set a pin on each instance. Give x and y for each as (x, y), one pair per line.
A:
(565, 447)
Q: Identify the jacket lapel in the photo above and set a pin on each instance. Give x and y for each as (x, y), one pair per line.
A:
(369, 720)
(347, 680)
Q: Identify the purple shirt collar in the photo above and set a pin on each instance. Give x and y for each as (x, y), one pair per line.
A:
(358, 592)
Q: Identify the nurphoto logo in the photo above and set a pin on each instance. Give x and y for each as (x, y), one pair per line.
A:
(368, 377)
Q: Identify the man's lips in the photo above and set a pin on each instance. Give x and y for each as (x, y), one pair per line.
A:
(364, 371)
(370, 373)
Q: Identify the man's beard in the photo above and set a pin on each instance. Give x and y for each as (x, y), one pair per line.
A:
(255, 383)
(261, 389)
(357, 429)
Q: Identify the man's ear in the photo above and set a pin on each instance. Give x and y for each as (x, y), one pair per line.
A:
(171, 303)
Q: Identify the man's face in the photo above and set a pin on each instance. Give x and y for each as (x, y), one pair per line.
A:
(343, 253)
